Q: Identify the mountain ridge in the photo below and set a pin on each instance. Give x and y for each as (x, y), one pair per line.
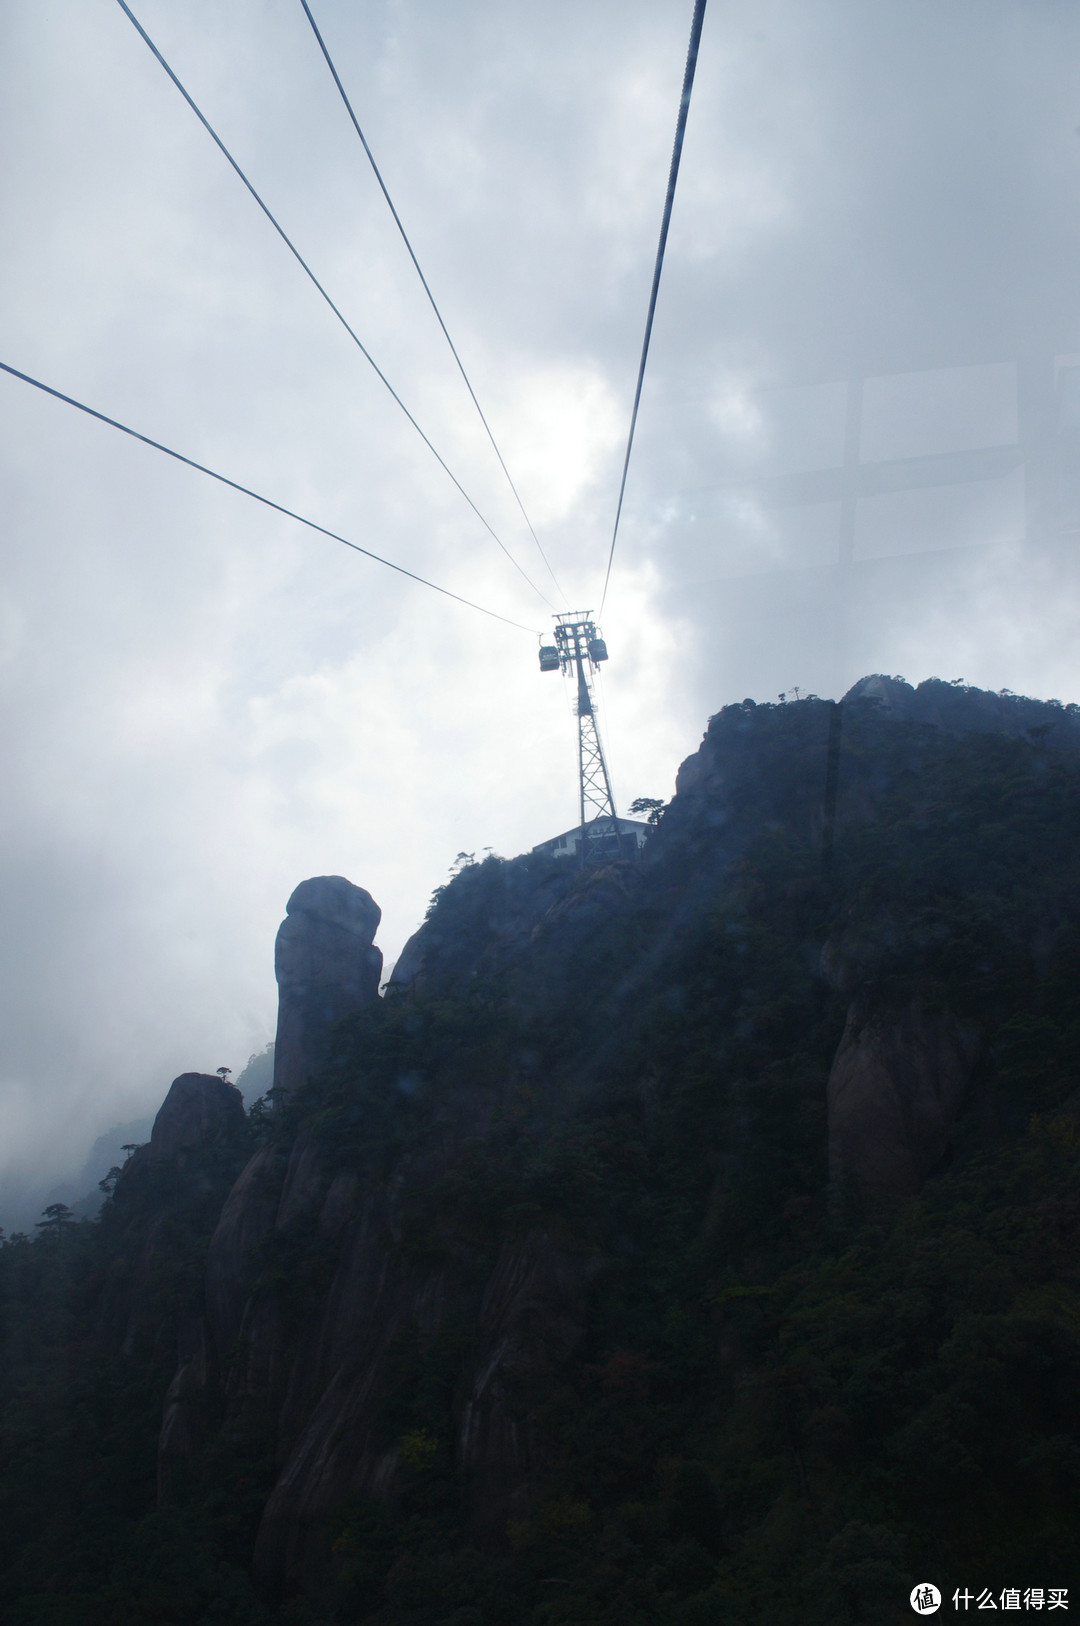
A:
(653, 1235)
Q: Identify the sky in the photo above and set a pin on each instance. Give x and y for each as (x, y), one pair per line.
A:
(857, 449)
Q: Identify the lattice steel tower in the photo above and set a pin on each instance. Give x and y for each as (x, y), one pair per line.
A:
(577, 651)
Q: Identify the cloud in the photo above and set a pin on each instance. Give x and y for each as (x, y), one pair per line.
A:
(201, 703)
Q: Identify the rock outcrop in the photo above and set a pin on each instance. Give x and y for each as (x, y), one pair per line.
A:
(497, 910)
(407, 976)
(895, 1090)
(529, 1312)
(246, 1220)
(322, 1387)
(198, 1109)
(326, 1389)
(201, 1120)
(746, 778)
(375, 1257)
(326, 968)
(955, 708)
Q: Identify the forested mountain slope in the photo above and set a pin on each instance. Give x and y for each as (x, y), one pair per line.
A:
(688, 1240)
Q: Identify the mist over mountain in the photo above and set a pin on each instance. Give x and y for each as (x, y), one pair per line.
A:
(684, 1239)
(24, 1197)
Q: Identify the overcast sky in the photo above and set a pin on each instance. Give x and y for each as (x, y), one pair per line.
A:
(203, 703)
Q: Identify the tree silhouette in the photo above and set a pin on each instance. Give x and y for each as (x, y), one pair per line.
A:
(652, 805)
(58, 1219)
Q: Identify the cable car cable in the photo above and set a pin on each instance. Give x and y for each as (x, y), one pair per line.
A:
(673, 175)
(291, 246)
(424, 282)
(267, 502)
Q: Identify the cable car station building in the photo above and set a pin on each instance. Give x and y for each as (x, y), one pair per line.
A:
(619, 838)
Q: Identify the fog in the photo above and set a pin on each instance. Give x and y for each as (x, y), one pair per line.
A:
(858, 450)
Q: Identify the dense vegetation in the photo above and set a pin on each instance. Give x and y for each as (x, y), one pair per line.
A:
(779, 1412)
(91, 1314)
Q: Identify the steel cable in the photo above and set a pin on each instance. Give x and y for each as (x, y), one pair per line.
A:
(267, 502)
(673, 175)
(424, 283)
(290, 245)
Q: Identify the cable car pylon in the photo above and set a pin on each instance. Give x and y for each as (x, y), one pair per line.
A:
(577, 652)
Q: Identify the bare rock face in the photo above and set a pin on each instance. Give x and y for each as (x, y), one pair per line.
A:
(246, 1219)
(407, 976)
(530, 1314)
(198, 1109)
(179, 1431)
(894, 1092)
(326, 969)
(894, 695)
(957, 709)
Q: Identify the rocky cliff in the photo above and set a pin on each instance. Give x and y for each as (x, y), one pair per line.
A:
(552, 1265)
(322, 1386)
(326, 967)
(176, 1175)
